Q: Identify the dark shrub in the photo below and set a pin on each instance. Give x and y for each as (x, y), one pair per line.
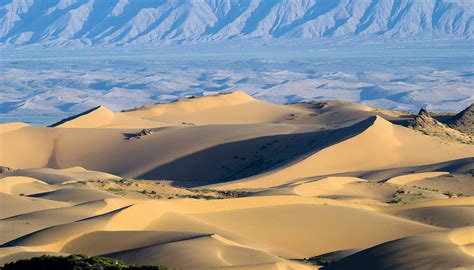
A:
(74, 262)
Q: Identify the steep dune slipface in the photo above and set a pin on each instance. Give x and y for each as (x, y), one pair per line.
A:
(91, 148)
(444, 250)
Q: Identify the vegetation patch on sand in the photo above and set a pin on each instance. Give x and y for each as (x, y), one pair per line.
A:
(159, 189)
(75, 262)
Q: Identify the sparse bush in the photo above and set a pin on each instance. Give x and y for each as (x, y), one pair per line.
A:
(233, 193)
(115, 190)
(319, 260)
(197, 196)
(395, 201)
(450, 194)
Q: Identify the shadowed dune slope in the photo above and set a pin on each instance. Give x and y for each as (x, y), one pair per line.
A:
(380, 145)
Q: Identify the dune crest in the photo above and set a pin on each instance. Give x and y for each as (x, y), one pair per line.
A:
(15, 185)
(7, 127)
(464, 237)
(327, 185)
(95, 117)
(229, 108)
(406, 179)
(197, 104)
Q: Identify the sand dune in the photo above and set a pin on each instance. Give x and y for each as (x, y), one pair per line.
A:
(441, 216)
(133, 158)
(74, 195)
(327, 185)
(382, 143)
(60, 176)
(444, 250)
(4, 128)
(102, 117)
(453, 184)
(241, 151)
(96, 117)
(307, 237)
(457, 166)
(15, 205)
(407, 179)
(24, 224)
(244, 184)
(232, 108)
(296, 243)
(16, 185)
(210, 250)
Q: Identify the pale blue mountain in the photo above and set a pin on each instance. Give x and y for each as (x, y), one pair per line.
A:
(79, 23)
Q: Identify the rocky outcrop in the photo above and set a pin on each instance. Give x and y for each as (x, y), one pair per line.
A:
(426, 124)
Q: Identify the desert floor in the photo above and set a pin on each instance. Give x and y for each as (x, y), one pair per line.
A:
(231, 182)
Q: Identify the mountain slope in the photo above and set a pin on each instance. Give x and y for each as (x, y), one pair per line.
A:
(463, 121)
(124, 22)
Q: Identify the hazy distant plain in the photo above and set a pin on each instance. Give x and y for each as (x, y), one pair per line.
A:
(42, 86)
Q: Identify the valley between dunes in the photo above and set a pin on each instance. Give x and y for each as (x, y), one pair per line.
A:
(231, 182)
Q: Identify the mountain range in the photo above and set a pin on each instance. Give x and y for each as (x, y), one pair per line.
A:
(83, 23)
